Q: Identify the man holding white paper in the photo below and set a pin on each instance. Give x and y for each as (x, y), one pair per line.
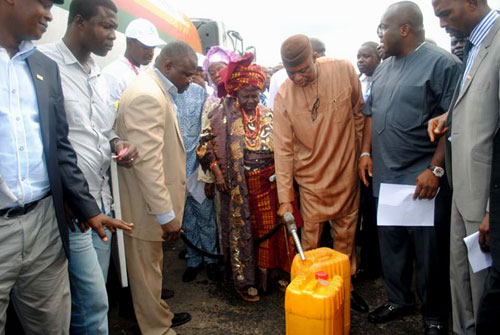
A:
(408, 89)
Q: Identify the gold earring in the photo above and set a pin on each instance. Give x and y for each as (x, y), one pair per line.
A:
(237, 103)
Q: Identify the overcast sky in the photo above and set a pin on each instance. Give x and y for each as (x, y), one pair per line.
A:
(342, 25)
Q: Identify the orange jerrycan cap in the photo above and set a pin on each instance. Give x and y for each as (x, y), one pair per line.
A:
(321, 275)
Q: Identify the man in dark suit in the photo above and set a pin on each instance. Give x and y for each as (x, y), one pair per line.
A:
(489, 307)
(38, 173)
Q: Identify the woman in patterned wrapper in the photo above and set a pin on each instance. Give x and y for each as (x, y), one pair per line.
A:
(215, 60)
(236, 146)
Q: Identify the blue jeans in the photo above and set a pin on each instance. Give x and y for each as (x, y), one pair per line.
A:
(89, 305)
(103, 250)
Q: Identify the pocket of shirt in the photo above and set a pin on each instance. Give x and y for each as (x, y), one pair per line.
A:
(409, 112)
(73, 109)
(340, 106)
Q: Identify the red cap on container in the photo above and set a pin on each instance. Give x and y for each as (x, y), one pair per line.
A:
(322, 275)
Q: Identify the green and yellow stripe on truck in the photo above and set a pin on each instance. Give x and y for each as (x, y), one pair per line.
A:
(171, 24)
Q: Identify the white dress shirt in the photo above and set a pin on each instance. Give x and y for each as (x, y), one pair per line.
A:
(476, 38)
(366, 85)
(90, 119)
(23, 170)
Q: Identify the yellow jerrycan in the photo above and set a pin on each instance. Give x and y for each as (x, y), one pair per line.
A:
(315, 306)
(335, 264)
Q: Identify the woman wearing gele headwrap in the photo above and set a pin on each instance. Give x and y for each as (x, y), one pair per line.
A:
(236, 146)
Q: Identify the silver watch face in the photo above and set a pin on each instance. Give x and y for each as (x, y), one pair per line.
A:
(438, 171)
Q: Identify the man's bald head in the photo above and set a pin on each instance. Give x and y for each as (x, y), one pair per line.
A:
(406, 12)
(295, 50)
(401, 29)
(176, 51)
(318, 46)
(178, 62)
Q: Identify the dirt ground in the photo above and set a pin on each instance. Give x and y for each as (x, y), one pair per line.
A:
(217, 310)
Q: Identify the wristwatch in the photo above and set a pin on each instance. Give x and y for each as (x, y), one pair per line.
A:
(437, 170)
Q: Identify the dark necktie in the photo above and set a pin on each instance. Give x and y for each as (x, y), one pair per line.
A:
(467, 47)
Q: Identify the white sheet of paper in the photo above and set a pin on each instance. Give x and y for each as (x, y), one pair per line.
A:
(119, 233)
(196, 188)
(478, 259)
(396, 207)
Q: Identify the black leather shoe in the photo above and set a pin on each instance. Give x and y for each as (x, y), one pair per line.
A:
(167, 294)
(435, 328)
(182, 254)
(213, 272)
(388, 312)
(358, 304)
(363, 275)
(191, 273)
(180, 319)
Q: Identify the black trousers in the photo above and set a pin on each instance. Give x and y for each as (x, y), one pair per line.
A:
(488, 319)
(367, 237)
(430, 248)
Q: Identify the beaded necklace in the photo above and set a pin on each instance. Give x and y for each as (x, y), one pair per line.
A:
(249, 123)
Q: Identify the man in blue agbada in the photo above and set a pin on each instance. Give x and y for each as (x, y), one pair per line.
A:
(199, 223)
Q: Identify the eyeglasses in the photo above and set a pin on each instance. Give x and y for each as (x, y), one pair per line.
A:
(382, 28)
(314, 109)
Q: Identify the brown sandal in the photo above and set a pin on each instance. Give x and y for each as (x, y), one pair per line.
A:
(249, 294)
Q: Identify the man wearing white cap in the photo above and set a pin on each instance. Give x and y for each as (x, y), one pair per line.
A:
(142, 38)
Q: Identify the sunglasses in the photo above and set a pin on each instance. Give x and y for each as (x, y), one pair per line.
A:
(314, 109)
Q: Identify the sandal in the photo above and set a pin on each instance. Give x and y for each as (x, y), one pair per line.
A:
(283, 284)
(250, 294)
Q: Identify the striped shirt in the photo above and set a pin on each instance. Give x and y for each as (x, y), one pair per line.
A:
(477, 38)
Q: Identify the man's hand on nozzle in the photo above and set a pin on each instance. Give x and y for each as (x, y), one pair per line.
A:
(285, 207)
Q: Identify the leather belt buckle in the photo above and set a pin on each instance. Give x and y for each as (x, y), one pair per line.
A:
(13, 212)
(7, 212)
(20, 210)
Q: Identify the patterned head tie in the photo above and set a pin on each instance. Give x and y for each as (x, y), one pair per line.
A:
(240, 74)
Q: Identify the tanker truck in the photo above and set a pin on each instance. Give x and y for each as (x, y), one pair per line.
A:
(171, 25)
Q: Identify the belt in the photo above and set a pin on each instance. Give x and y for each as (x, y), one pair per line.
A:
(9, 213)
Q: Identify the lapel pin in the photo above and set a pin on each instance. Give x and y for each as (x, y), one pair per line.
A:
(39, 77)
